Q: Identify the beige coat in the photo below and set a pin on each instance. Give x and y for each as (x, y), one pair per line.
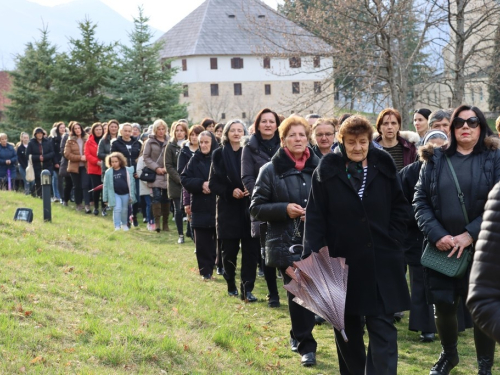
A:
(72, 153)
(154, 158)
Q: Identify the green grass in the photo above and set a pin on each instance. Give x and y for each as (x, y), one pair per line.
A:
(77, 297)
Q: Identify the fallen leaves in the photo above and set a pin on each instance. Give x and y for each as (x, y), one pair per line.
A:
(37, 360)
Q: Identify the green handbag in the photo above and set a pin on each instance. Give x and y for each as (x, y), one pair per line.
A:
(438, 260)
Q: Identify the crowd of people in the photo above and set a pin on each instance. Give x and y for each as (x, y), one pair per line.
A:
(375, 195)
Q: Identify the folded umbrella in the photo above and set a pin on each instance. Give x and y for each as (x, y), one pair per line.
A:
(319, 283)
(97, 188)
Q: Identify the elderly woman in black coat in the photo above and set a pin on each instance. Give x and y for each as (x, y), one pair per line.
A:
(475, 157)
(194, 179)
(484, 284)
(279, 198)
(42, 154)
(233, 216)
(258, 150)
(357, 208)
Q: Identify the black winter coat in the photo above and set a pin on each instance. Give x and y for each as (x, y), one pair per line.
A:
(252, 159)
(277, 185)
(56, 145)
(184, 156)
(174, 179)
(131, 152)
(414, 240)
(233, 215)
(427, 206)
(368, 233)
(22, 158)
(33, 149)
(484, 286)
(194, 175)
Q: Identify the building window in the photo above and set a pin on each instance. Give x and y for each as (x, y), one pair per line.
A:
(317, 87)
(267, 89)
(184, 64)
(236, 63)
(295, 87)
(317, 61)
(214, 89)
(267, 63)
(223, 116)
(295, 62)
(213, 63)
(243, 115)
(185, 91)
(237, 89)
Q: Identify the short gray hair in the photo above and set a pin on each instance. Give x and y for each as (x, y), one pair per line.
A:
(439, 115)
(227, 127)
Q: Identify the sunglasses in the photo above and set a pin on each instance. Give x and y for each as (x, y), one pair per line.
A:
(473, 122)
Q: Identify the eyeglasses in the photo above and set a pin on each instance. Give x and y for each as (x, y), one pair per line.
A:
(321, 135)
(473, 122)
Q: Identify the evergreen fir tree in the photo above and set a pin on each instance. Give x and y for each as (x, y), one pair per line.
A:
(141, 88)
(79, 78)
(32, 81)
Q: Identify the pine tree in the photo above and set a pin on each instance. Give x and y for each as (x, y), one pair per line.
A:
(80, 78)
(32, 81)
(141, 88)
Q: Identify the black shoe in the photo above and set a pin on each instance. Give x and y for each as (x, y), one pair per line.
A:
(273, 301)
(427, 337)
(294, 345)
(484, 365)
(207, 276)
(135, 222)
(96, 211)
(181, 239)
(248, 297)
(398, 316)
(233, 293)
(445, 364)
(220, 271)
(319, 320)
(308, 359)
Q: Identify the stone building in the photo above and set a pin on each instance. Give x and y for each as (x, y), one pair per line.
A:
(235, 57)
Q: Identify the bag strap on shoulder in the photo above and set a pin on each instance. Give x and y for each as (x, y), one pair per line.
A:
(460, 194)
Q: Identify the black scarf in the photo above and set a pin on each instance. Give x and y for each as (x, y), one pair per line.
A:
(269, 146)
(232, 161)
(354, 170)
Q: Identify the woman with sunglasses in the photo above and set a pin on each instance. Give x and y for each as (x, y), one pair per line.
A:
(475, 158)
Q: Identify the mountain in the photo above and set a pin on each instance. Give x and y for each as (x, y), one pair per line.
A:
(22, 20)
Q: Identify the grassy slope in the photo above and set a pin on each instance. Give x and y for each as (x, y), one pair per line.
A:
(77, 297)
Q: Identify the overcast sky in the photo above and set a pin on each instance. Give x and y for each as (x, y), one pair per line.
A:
(163, 14)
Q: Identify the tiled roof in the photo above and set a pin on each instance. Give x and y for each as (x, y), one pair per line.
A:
(5, 85)
(238, 27)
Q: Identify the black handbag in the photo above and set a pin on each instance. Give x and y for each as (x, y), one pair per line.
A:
(438, 260)
(147, 175)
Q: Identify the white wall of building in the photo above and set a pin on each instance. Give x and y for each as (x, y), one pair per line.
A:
(198, 70)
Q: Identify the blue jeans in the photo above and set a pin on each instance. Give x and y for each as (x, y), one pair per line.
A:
(120, 211)
(55, 186)
(149, 214)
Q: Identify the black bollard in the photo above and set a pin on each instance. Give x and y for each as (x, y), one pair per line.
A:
(46, 182)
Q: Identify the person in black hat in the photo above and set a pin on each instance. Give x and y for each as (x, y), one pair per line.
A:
(42, 156)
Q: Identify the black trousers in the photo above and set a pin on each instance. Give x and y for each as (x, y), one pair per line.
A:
(178, 215)
(421, 314)
(447, 327)
(302, 322)
(205, 249)
(81, 184)
(250, 253)
(68, 186)
(95, 181)
(382, 356)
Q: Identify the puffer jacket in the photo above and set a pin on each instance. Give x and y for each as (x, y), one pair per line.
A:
(484, 285)
(33, 149)
(91, 156)
(194, 175)
(277, 185)
(252, 159)
(428, 209)
(174, 179)
(130, 149)
(8, 153)
(72, 153)
(154, 158)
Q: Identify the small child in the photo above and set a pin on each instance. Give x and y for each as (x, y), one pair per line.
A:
(118, 191)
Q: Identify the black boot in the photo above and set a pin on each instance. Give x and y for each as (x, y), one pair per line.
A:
(484, 365)
(446, 362)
